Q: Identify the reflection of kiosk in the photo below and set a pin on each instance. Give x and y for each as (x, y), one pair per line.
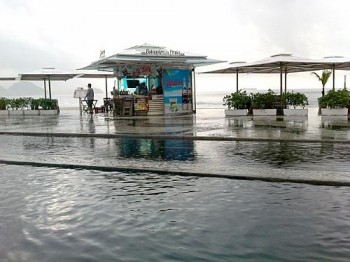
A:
(182, 150)
(167, 74)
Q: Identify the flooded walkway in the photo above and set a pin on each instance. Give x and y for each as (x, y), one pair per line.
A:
(205, 123)
(311, 149)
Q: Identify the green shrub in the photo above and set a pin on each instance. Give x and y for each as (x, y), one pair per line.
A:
(295, 99)
(18, 103)
(335, 99)
(30, 103)
(264, 100)
(3, 103)
(47, 104)
(237, 100)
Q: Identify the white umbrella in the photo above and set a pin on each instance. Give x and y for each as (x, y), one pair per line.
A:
(337, 62)
(48, 74)
(97, 74)
(281, 63)
(7, 78)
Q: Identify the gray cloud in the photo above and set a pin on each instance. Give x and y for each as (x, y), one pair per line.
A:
(308, 28)
(19, 56)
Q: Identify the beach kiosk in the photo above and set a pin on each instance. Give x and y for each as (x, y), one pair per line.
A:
(152, 80)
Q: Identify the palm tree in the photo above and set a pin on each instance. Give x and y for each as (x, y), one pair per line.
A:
(323, 78)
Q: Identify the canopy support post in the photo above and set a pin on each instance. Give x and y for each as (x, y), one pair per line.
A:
(237, 80)
(285, 80)
(281, 79)
(194, 99)
(333, 77)
(49, 88)
(106, 87)
(45, 87)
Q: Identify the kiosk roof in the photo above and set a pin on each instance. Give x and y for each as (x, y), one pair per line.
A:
(151, 54)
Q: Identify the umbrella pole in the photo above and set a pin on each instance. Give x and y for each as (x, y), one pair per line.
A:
(285, 80)
(281, 81)
(333, 78)
(49, 88)
(106, 102)
(237, 81)
(194, 99)
(45, 87)
(106, 86)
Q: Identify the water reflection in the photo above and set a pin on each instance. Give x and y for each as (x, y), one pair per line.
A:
(239, 121)
(156, 149)
(335, 122)
(272, 125)
(292, 155)
(281, 154)
(156, 125)
(92, 130)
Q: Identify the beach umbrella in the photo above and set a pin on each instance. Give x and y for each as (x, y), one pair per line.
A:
(336, 62)
(281, 63)
(8, 78)
(97, 74)
(48, 74)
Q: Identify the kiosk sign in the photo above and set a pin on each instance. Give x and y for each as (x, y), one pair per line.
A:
(162, 52)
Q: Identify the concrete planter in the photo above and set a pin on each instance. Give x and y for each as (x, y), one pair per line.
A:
(16, 112)
(31, 112)
(4, 113)
(236, 112)
(49, 112)
(295, 112)
(334, 112)
(264, 112)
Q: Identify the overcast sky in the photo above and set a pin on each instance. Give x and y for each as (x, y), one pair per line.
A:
(69, 34)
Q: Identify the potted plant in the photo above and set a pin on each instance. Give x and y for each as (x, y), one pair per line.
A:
(3, 106)
(3, 103)
(238, 103)
(335, 102)
(295, 103)
(48, 106)
(17, 105)
(264, 103)
(32, 105)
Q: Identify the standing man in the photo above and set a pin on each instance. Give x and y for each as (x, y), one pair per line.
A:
(90, 98)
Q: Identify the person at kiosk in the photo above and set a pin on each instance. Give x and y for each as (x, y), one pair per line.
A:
(90, 98)
(141, 90)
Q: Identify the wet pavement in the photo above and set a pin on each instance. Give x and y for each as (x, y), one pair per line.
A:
(208, 124)
(311, 149)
